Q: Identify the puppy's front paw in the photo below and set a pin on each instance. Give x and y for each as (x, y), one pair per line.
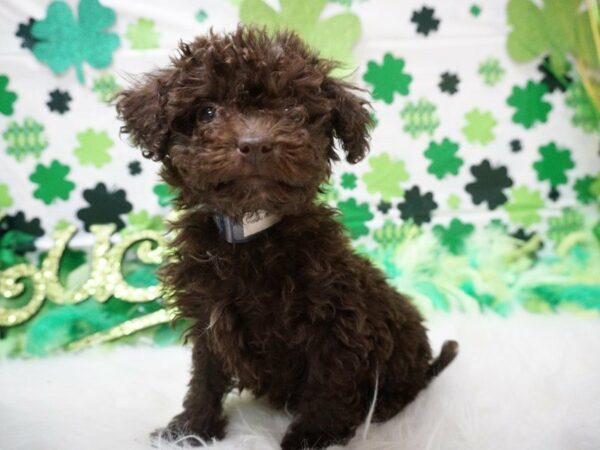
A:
(194, 431)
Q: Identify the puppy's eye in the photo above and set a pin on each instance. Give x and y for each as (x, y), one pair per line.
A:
(207, 113)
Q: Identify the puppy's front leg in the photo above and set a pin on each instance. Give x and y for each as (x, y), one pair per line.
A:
(202, 413)
(331, 406)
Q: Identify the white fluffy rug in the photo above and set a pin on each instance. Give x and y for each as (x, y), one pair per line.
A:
(526, 382)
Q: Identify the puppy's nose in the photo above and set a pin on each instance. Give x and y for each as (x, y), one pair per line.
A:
(254, 148)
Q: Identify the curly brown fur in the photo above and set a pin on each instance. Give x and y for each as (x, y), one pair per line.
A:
(293, 315)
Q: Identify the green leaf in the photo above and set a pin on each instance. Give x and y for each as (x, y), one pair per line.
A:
(64, 42)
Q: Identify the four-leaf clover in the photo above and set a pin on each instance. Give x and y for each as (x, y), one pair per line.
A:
(480, 127)
(355, 216)
(142, 34)
(524, 206)
(529, 104)
(385, 176)
(93, 148)
(443, 158)
(52, 182)
(388, 78)
(7, 98)
(554, 164)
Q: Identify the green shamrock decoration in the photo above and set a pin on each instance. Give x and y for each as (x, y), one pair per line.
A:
(491, 71)
(106, 87)
(142, 34)
(5, 198)
(25, 139)
(7, 98)
(529, 105)
(142, 220)
(583, 188)
(585, 114)
(557, 28)
(480, 127)
(52, 182)
(388, 78)
(93, 148)
(63, 42)
(354, 217)
(201, 15)
(385, 176)
(569, 222)
(524, 205)
(333, 37)
(392, 233)
(453, 237)
(554, 164)
(348, 180)
(164, 193)
(443, 158)
(419, 118)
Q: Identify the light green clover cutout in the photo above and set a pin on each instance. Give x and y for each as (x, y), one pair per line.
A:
(529, 104)
(142, 34)
(557, 28)
(65, 42)
(480, 127)
(524, 205)
(443, 158)
(354, 217)
(419, 118)
(25, 139)
(333, 37)
(52, 182)
(7, 98)
(385, 176)
(93, 148)
(6, 199)
(491, 71)
(387, 78)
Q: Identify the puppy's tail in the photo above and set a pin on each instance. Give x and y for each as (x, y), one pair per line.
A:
(446, 356)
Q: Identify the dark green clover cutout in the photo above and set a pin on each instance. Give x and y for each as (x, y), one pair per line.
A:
(554, 164)
(65, 42)
(7, 98)
(333, 37)
(453, 237)
(443, 158)
(388, 78)
(52, 182)
(354, 216)
(529, 104)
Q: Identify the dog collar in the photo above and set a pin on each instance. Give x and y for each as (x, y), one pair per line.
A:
(251, 226)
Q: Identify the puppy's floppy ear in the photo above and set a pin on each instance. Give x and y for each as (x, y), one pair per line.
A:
(350, 118)
(142, 108)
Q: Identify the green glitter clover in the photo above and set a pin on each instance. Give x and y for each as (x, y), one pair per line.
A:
(385, 176)
(93, 148)
(52, 182)
(388, 78)
(419, 118)
(529, 105)
(443, 158)
(480, 127)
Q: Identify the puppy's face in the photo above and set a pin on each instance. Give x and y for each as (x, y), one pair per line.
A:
(245, 122)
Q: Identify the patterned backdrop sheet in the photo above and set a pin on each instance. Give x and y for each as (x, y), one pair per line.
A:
(480, 192)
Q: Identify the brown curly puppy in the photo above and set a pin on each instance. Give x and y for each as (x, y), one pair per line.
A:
(244, 125)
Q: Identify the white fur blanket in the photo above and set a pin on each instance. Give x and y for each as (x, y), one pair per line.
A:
(526, 382)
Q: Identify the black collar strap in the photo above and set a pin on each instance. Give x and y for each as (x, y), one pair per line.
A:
(251, 226)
